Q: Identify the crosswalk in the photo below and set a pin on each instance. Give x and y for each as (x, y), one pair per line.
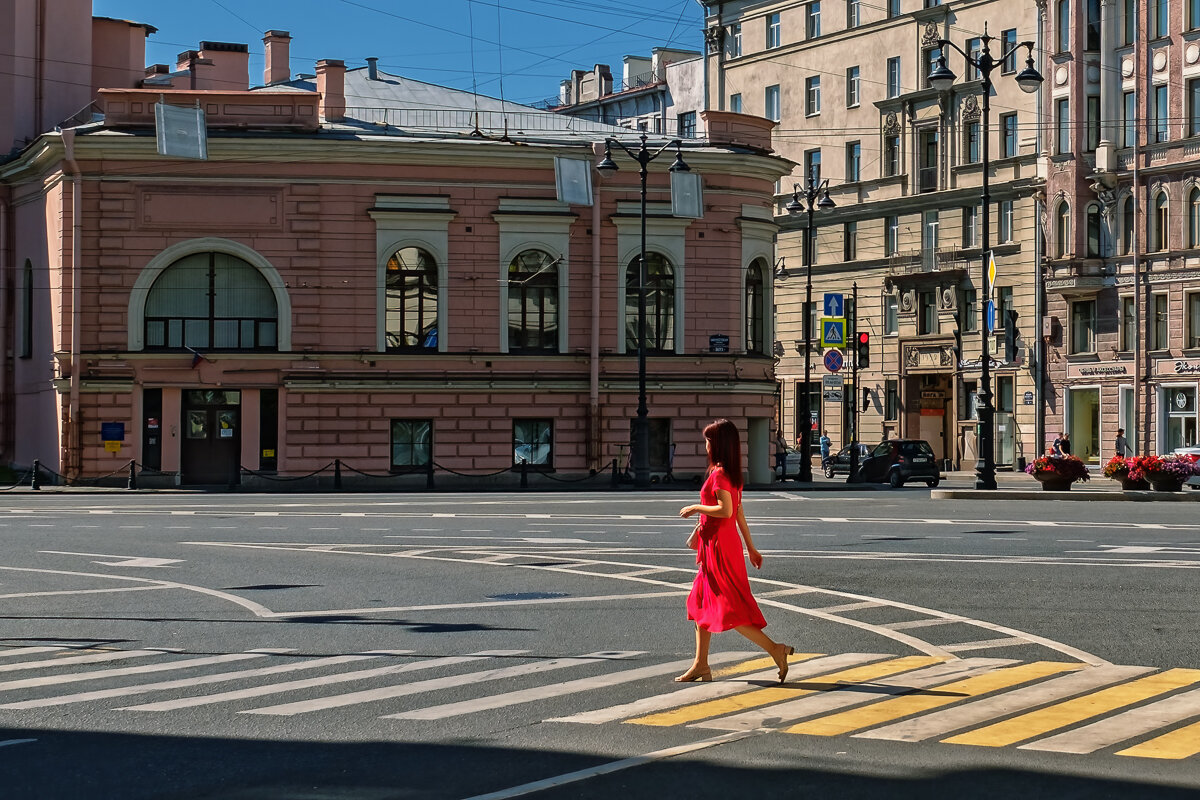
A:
(1059, 707)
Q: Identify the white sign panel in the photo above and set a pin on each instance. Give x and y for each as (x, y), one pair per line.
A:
(180, 131)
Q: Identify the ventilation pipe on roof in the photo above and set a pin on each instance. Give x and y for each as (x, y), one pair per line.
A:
(277, 45)
(331, 85)
(373, 69)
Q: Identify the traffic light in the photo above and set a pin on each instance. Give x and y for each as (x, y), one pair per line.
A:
(863, 354)
(1010, 335)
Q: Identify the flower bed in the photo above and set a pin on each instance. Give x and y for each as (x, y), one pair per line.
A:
(1063, 470)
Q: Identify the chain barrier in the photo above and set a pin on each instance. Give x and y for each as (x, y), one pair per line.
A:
(469, 475)
(21, 480)
(63, 480)
(387, 475)
(595, 473)
(285, 478)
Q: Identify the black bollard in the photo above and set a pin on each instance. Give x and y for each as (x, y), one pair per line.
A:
(614, 474)
(35, 477)
(132, 483)
(429, 476)
(524, 474)
(337, 474)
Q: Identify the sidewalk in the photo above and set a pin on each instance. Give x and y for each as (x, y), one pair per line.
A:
(1009, 486)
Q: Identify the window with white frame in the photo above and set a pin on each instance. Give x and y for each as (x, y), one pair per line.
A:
(1160, 18)
(812, 165)
(735, 103)
(929, 237)
(1193, 232)
(853, 87)
(849, 241)
(1008, 44)
(974, 47)
(893, 76)
(812, 20)
(1062, 119)
(1192, 339)
(853, 13)
(853, 162)
(1158, 333)
(812, 96)
(891, 155)
(1160, 122)
(1127, 223)
(1129, 119)
(1129, 327)
(891, 235)
(971, 145)
(1159, 223)
(893, 9)
(1193, 105)
(891, 314)
(772, 111)
(927, 317)
(735, 40)
(1062, 25)
(970, 226)
(773, 31)
(1005, 231)
(1083, 326)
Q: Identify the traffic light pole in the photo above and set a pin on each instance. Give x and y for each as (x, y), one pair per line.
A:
(854, 477)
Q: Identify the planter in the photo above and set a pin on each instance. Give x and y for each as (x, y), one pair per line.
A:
(1166, 484)
(1052, 482)
(1130, 485)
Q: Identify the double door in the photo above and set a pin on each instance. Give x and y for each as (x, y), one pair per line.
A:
(212, 442)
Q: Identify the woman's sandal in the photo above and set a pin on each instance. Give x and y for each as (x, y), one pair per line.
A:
(788, 650)
(689, 677)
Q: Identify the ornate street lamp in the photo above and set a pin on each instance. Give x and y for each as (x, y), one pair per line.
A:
(643, 155)
(942, 79)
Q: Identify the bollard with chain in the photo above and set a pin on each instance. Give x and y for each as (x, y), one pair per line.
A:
(337, 474)
(35, 477)
(524, 474)
(132, 483)
(429, 476)
(614, 474)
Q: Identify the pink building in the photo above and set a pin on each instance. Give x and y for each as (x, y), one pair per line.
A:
(365, 268)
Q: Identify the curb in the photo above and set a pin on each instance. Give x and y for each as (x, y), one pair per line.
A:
(1084, 496)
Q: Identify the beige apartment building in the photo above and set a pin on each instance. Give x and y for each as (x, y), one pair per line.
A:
(846, 81)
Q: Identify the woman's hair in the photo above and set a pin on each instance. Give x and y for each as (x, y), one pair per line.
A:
(725, 449)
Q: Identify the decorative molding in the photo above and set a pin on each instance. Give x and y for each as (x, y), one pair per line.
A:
(891, 125)
(908, 302)
(931, 36)
(714, 37)
(970, 108)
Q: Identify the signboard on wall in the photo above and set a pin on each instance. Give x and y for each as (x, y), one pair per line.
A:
(112, 431)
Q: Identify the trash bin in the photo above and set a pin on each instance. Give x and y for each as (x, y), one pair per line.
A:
(1020, 463)
(947, 465)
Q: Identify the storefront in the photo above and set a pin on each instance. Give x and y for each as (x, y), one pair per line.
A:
(1177, 421)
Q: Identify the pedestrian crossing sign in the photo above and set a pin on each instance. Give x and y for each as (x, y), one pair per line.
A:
(833, 331)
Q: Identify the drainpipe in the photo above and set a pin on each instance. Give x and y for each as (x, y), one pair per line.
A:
(1135, 193)
(1039, 307)
(6, 394)
(73, 460)
(594, 355)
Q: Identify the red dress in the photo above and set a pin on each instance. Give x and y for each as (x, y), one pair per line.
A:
(720, 599)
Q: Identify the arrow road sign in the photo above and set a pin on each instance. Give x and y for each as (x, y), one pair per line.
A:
(991, 316)
(833, 332)
(834, 303)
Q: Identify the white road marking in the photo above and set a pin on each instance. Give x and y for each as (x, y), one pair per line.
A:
(1124, 726)
(851, 607)
(122, 561)
(940, 723)
(508, 699)
(84, 591)
(922, 623)
(389, 692)
(983, 645)
(29, 651)
(182, 683)
(53, 680)
(93, 658)
(825, 702)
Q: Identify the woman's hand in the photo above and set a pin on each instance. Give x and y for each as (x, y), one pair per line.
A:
(688, 511)
(755, 557)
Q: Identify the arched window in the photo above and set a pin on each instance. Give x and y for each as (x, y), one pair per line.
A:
(756, 304)
(1093, 231)
(1127, 226)
(660, 305)
(412, 300)
(1158, 223)
(26, 345)
(1194, 217)
(212, 301)
(1062, 230)
(533, 302)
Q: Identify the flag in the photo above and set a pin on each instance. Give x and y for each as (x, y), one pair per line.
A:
(197, 357)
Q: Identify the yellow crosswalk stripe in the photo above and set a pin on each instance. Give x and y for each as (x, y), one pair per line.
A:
(897, 707)
(1036, 723)
(759, 663)
(775, 694)
(1180, 743)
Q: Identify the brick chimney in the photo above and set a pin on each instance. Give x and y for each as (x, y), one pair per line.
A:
(278, 65)
(331, 86)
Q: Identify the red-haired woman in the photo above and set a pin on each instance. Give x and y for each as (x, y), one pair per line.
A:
(721, 598)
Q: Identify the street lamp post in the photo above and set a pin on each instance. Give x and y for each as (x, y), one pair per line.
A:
(814, 195)
(942, 79)
(643, 155)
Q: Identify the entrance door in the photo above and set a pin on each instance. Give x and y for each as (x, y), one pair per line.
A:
(1084, 425)
(211, 437)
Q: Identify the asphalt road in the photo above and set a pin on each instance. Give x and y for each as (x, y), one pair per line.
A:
(503, 645)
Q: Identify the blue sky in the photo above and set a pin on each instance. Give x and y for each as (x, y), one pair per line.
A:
(532, 44)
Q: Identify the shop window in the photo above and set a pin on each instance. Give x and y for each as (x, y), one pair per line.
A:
(1179, 403)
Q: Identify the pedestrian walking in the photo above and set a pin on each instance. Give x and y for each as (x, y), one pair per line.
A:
(1122, 446)
(1062, 444)
(721, 599)
(780, 454)
(826, 446)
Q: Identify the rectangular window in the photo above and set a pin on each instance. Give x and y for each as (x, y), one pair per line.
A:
(412, 443)
(812, 96)
(1004, 304)
(849, 241)
(1161, 113)
(971, 151)
(928, 65)
(1160, 18)
(1093, 122)
(853, 162)
(928, 168)
(1008, 135)
(927, 321)
(891, 235)
(735, 103)
(1128, 19)
(533, 442)
(1193, 327)
(687, 125)
(1193, 14)
(1008, 41)
(974, 46)
(1062, 24)
(812, 165)
(852, 87)
(735, 40)
(891, 313)
(812, 20)
(930, 223)
(772, 111)
(1128, 324)
(1092, 39)
(893, 8)
(268, 430)
(773, 31)
(1129, 105)
(891, 401)
(1083, 326)
(853, 13)
(1062, 119)
(969, 318)
(932, 3)
(1193, 109)
(891, 155)
(1005, 230)
(1158, 323)
(893, 76)
(970, 226)
(27, 327)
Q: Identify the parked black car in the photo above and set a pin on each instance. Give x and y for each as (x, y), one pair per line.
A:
(897, 461)
(839, 462)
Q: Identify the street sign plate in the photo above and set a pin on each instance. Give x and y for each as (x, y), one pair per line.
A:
(991, 273)
(834, 304)
(833, 332)
(833, 360)
(831, 382)
(991, 316)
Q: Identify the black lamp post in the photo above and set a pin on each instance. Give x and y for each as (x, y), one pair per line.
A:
(814, 195)
(942, 79)
(641, 425)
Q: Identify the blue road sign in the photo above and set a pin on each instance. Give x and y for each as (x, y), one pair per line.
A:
(833, 332)
(834, 304)
(833, 360)
(991, 316)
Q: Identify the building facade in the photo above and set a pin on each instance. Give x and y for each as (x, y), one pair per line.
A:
(393, 283)
(847, 82)
(1122, 223)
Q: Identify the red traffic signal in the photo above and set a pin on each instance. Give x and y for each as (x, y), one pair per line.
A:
(864, 339)
(864, 350)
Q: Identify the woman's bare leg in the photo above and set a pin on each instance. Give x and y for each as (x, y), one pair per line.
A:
(700, 662)
(779, 652)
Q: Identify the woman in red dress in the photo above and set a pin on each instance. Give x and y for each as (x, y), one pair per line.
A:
(720, 599)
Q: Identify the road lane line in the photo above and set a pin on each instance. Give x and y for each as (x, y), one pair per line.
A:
(850, 607)
(949, 720)
(433, 684)
(54, 680)
(904, 706)
(94, 658)
(983, 645)
(1122, 727)
(766, 696)
(29, 651)
(84, 591)
(922, 623)
(508, 699)
(184, 683)
(1036, 723)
